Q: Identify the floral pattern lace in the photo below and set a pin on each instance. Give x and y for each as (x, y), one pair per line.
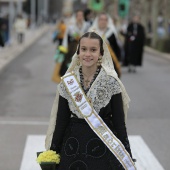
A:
(100, 93)
(102, 90)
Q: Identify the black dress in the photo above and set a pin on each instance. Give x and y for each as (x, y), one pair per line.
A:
(72, 46)
(80, 148)
(134, 44)
(115, 47)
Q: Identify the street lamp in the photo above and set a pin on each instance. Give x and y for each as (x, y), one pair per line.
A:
(11, 18)
(46, 9)
(19, 6)
(33, 9)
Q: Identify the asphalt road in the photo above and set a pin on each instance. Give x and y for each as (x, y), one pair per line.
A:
(27, 94)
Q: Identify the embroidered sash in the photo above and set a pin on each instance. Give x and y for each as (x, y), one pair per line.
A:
(95, 121)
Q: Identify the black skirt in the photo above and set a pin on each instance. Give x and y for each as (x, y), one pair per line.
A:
(82, 149)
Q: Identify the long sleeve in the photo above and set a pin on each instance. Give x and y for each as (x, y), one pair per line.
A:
(63, 117)
(118, 121)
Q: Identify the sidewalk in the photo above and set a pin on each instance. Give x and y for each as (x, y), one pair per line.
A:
(8, 53)
(157, 53)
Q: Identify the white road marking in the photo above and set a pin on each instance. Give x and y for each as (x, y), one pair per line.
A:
(145, 158)
(34, 144)
(23, 123)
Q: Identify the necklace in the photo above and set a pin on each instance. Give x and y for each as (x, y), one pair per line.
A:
(87, 81)
(84, 83)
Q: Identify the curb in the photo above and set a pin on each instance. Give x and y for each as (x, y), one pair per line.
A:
(157, 53)
(11, 53)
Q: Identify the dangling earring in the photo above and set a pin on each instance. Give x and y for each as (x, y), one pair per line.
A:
(78, 61)
(99, 61)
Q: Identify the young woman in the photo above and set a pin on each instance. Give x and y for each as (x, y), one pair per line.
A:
(103, 24)
(74, 31)
(87, 126)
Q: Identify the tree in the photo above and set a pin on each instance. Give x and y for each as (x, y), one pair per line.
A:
(154, 15)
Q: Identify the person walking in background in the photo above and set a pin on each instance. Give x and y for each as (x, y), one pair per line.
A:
(77, 27)
(5, 32)
(134, 44)
(20, 26)
(58, 58)
(59, 32)
(103, 24)
(1, 38)
(1, 41)
(60, 51)
(161, 32)
(168, 27)
(88, 16)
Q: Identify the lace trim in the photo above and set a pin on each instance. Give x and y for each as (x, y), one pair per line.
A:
(100, 93)
(102, 90)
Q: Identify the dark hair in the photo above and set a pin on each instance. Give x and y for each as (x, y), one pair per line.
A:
(92, 35)
(86, 13)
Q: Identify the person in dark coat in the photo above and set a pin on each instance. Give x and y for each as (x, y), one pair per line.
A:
(88, 16)
(134, 44)
(5, 30)
(1, 38)
(1, 41)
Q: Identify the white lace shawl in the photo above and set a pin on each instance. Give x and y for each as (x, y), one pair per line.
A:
(72, 28)
(111, 29)
(100, 93)
(108, 69)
